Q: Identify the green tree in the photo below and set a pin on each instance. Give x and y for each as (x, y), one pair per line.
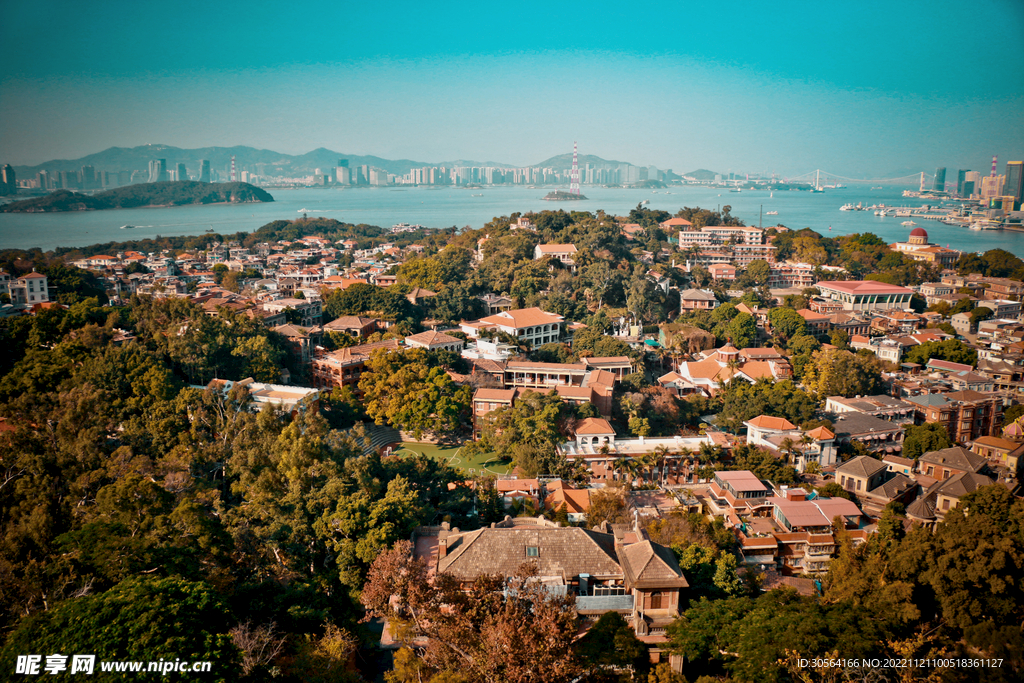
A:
(833, 372)
(925, 438)
(786, 323)
(951, 350)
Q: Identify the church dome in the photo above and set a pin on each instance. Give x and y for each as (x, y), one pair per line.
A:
(919, 232)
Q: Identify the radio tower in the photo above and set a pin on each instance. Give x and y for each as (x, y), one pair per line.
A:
(574, 177)
(234, 177)
(994, 159)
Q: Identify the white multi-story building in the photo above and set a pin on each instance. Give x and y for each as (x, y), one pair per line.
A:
(529, 325)
(27, 290)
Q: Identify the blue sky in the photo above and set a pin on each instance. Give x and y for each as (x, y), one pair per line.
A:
(860, 89)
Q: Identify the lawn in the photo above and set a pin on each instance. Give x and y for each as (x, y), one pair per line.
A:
(485, 463)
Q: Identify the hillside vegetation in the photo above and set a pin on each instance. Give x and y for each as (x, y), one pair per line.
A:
(172, 193)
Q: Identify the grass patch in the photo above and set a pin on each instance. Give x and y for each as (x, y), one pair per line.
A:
(484, 463)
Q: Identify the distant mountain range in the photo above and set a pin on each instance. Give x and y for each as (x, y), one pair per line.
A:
(138, 158)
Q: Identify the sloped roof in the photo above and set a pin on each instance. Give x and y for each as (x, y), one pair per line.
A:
(963, 483)
(522, 317)
(768, 422)
(893, 487)
(922, 508)
(650, 564)
(595, 426)
(862, 466)
(432, 337)
(955, 456)
(697, 295)
(562, 551)
(575, 501)
(821, 434)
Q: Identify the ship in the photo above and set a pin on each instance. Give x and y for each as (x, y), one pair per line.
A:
(127, 227)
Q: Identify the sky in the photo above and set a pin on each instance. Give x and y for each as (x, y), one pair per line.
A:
(859, 89)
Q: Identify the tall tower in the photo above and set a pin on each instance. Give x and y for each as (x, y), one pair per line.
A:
(204, 170)
(234, 174)
(994, 160)
(1014, 183)
(940, 179)
(574, 176)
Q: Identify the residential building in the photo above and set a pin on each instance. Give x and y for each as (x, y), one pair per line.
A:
(881, 406)
(433, 341)
(878, 436)
(310, 311)
(614, 569)
(866, 295)
(353, 325)
(697, 299)
(529, 325)
(785, 439)
(486, 401)
(949, 462)
(706, 376)
(344, 367)
(966, 415)
(29, 290)
(565, 253)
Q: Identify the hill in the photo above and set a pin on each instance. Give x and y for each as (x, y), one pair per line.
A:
(701, 174)
(565, 161)
(117, 159)
(174, 193)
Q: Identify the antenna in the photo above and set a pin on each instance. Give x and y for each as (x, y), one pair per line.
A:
(234, 176)
(574, 177)
(994, 159)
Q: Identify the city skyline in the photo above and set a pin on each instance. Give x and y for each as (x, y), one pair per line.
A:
(860, 91)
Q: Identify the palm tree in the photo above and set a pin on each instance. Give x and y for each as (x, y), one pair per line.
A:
(789, 446)
(662, 454)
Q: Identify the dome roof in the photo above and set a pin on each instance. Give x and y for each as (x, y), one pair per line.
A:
(919, 232)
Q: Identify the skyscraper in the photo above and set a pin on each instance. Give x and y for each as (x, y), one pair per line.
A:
(8, 183)
(940, 179)
(204, 171)
(961, 176)
(158, 170)
(182, 173)
(1014, 183)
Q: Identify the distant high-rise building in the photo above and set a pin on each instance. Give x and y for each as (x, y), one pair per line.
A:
(342, 173)
(43, 180)
(940, 179)
(961, 176)
(124, 178)
(991, 186)
(204, 171)
(89, 180)
(342, 163)
(158, 170)
(1014, 183)
(8, 182)
(182, 172)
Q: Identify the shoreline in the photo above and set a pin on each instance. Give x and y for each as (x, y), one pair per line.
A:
(147, 206)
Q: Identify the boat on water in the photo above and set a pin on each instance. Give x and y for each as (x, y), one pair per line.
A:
(908, 223)
(477, 195)
(127, 227)
(847, 207)
(646, 201)
(771, 213)
(876, 188)
(303, 211)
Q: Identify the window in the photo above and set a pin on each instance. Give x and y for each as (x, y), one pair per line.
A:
(656, 600)
(532, 551)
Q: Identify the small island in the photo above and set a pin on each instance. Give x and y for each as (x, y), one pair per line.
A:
(563, 196)
(170, 193)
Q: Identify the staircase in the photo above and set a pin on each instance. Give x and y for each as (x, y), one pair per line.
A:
(378, 436)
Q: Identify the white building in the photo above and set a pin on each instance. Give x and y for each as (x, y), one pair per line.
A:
(529, 325)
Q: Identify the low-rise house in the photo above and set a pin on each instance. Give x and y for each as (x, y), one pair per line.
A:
(575, 502)
(697, 299)
(949, 462)
(434, 341)
(310, 311)
(514, 490)
(353, 325)
(784, 438)
(344, 367)
(880, 406)
(1001, 452)
(529, 325)
(878, 436)
(966, 415)
(612, 570)
(565, 253)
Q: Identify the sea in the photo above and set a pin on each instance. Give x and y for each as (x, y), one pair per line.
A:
(446, 207)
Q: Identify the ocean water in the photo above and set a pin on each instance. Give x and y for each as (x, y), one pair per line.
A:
(449, 206)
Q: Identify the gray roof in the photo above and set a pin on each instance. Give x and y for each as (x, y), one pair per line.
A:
(853, 424)
(872, 404)
(697, 295)
(896, 486)
(936, 400)
(956, 457)
(964, 483)
(561, 551)
(650, 564)
(922, 508)
(862, 466)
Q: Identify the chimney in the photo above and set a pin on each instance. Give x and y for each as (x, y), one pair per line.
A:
(442, 548)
